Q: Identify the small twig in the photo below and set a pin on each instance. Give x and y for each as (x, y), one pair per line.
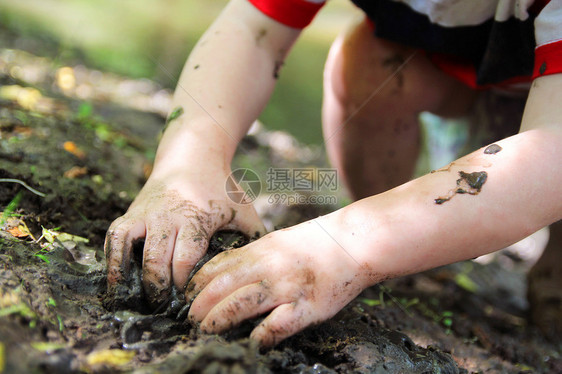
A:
(10, 180)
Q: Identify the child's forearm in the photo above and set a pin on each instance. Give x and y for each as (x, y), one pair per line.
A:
(225, 83)
(406, 230)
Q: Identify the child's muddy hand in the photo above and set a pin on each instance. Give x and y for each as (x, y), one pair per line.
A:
(301, 274)
(176, 217)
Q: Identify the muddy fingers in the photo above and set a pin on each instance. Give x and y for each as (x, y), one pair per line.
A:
(211, 272)
(157, 263)
(282, 322)
(194, 246)
(236, 230)
(178, 216)
(217, 279)
(246, 220)
(247, 302)
(302, 266)
(184, 260)
(119, 247)
(123, 274)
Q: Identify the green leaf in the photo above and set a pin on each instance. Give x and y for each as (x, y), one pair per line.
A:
(408, 303)
(65, 237)
(61, 324)
(370, 302)
(85, 111)
(21, 309)
(43, 257)
(178, 111)
(11, 207)
(47, 346)
(463, 281)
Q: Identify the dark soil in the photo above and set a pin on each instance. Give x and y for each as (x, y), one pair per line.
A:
(56, 317)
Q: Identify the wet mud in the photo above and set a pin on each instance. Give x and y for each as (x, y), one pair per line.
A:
(492, 149)
(468, 183)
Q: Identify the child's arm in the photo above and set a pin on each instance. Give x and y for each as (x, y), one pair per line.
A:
(225, 83)
(522, 194)
(227, 80)
(310, 271)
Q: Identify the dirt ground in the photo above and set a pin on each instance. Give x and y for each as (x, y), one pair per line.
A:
(73, 154)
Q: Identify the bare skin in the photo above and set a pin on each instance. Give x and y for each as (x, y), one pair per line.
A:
(306, 273)
(302, 284)
(359, 65)
(193, 159)
(398, 232)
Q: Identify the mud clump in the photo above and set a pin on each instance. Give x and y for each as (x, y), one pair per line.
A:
(354, 342)
(223, 240)
(346, 344)
(217, 357)
(129, 293)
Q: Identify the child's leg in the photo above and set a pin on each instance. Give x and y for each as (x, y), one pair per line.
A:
(374, 91)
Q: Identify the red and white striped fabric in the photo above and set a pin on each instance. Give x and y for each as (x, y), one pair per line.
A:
(496, 20)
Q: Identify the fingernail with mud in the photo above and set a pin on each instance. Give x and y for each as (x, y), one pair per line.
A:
(156, 295)
(189, 288)
(191, 293)
(183, 312)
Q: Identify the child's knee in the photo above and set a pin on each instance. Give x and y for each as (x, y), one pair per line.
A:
(353, 70)
(369, 76)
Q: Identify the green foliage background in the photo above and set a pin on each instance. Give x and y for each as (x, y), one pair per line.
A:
(152, 39)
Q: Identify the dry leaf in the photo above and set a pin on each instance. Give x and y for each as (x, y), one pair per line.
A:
(22, 131)
(19, 231)
(71, 147)
(17, 228)
(76, 172)
(111, 357)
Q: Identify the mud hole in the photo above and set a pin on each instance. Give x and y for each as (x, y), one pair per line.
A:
(56, 317)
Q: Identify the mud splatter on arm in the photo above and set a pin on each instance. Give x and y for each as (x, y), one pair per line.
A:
(492, 149)
(468, 183)
(261, 34)
(277, 68)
